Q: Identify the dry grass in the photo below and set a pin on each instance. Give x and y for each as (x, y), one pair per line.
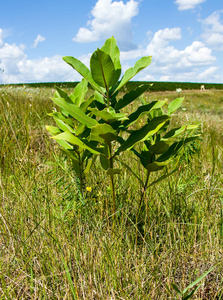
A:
(56, 245)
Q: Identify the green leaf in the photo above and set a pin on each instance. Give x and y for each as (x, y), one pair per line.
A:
(70, 153)
(89, 165)
(143, 133)
(104, 162)
(175, 147)
(108, 115)
(178, 131)
(131, 72)
(80, 91)
(142, 110)
(103, 133)
(61, 94)
(174, 105)
(175, 287)
(75, 112)
(72, 139)
(82, 70)
(159, 147)
(53, 130)
(59, 116)
(63, 126)
(85, 104)
(110, 47)
(132, 95)
(156, 166)
(197, 280)
(99, 97)
(112, 172)
(103, 114)
(186, 297)
(102, 69)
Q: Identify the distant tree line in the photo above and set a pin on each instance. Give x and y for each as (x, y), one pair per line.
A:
(156, 85)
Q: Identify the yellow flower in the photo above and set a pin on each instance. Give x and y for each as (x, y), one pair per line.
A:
(88, 188)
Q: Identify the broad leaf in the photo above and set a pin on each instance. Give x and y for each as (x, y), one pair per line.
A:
(63, 126)
(143, 133)
(103, 114)
(75, 112)
(53, 130)
(131, 72)
(108, 115)
(84, 105)
(156, 166)
(110, 47)
(81, 69)
(142, 110)
(72, 139)
(59, 116)
(102, 69)
(132, 95)
(61, 94)
(80, 91)
(175, 147)
(159, 147)
(104, 162)
(70, 153)
(103, 133)
(178, 131)
(112, 172)
(174, 105)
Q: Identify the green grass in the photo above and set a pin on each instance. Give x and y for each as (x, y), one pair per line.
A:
(54, 244)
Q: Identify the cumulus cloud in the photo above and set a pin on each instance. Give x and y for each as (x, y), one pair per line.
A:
(38, 40)
(213, 30)
(188, 4)
(192, 63)
(171, 64)
(110, 18)
(18, 68)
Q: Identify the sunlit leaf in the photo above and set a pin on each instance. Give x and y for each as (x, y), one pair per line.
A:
(81, 69)
(102, 69)
(103, 133)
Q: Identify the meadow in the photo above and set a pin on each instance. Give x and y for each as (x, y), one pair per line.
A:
(57, 244)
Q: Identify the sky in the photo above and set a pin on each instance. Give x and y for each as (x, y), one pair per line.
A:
(184, 38)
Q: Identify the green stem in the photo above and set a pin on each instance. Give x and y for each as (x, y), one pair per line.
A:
(144, 189)
(112, 184)
(80, 174)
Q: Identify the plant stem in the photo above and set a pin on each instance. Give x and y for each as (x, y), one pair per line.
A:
(144, 189)
(112, 185)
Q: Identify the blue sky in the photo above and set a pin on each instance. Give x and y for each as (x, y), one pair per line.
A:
(184, 37)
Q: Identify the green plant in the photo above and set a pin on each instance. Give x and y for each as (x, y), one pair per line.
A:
(98, 126)
(185, 294)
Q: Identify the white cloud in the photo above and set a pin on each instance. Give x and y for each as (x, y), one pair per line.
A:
(213, 31)
(38, 40)
(188, 4)
(192, 63)
(110, 18)
(18, 68)
(169, 63)
(208, 73)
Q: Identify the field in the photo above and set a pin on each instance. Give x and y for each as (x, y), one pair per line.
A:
(55, 244)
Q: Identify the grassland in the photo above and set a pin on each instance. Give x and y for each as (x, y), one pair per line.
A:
(55, 244)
